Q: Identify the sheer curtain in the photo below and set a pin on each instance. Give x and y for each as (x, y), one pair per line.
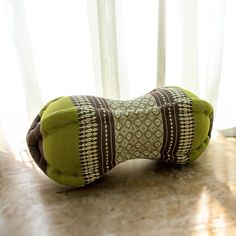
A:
(200, 53)
(112, 48)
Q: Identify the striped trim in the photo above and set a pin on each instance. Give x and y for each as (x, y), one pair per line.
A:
(88, 140)
(96, 136)
(107, 131)
(178, 122)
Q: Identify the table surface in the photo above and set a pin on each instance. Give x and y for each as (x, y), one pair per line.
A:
(139, 197)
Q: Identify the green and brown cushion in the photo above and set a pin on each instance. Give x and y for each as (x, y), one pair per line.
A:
(76, 140)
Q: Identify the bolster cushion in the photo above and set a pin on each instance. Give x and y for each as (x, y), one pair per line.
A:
(77, 139)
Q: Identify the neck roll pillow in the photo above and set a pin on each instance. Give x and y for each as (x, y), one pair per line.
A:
(76, 140)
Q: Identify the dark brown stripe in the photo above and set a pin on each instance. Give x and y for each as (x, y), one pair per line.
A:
(166, 134)
(174, 115)
(176, 129)
(111, 133)
(157, 95)
(102, 115)
(100, 135)
(168, 95)
(160, 100)
(35, 144)
(108, 119)
(168, 152)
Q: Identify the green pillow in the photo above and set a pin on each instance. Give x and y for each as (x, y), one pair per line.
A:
(76, 140)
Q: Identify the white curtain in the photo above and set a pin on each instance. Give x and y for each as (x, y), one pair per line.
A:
(113, 48)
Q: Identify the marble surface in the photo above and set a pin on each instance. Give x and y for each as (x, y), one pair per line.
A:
(139, 197)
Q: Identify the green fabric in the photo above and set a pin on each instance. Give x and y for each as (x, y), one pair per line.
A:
(59, 126)
(202, 112)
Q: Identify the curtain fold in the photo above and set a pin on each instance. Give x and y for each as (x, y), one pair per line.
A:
(226, 116)
(113, 48)
(161, 48)
(108, 48)
(25, 59)
(199, 52)
(137, 42)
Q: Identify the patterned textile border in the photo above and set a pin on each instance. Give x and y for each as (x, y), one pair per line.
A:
(178, 122)
(158, 125)
(96, 136)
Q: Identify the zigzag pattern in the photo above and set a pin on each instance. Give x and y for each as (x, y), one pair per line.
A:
(87, 144)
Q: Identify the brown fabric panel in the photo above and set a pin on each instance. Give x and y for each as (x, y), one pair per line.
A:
(100, 147)
(176, 128)
(164, 98)
(101, 139)
(111, 133)
(35, 144)
(106, 117)
(174, 116)
(161, 101)
(165, 113)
